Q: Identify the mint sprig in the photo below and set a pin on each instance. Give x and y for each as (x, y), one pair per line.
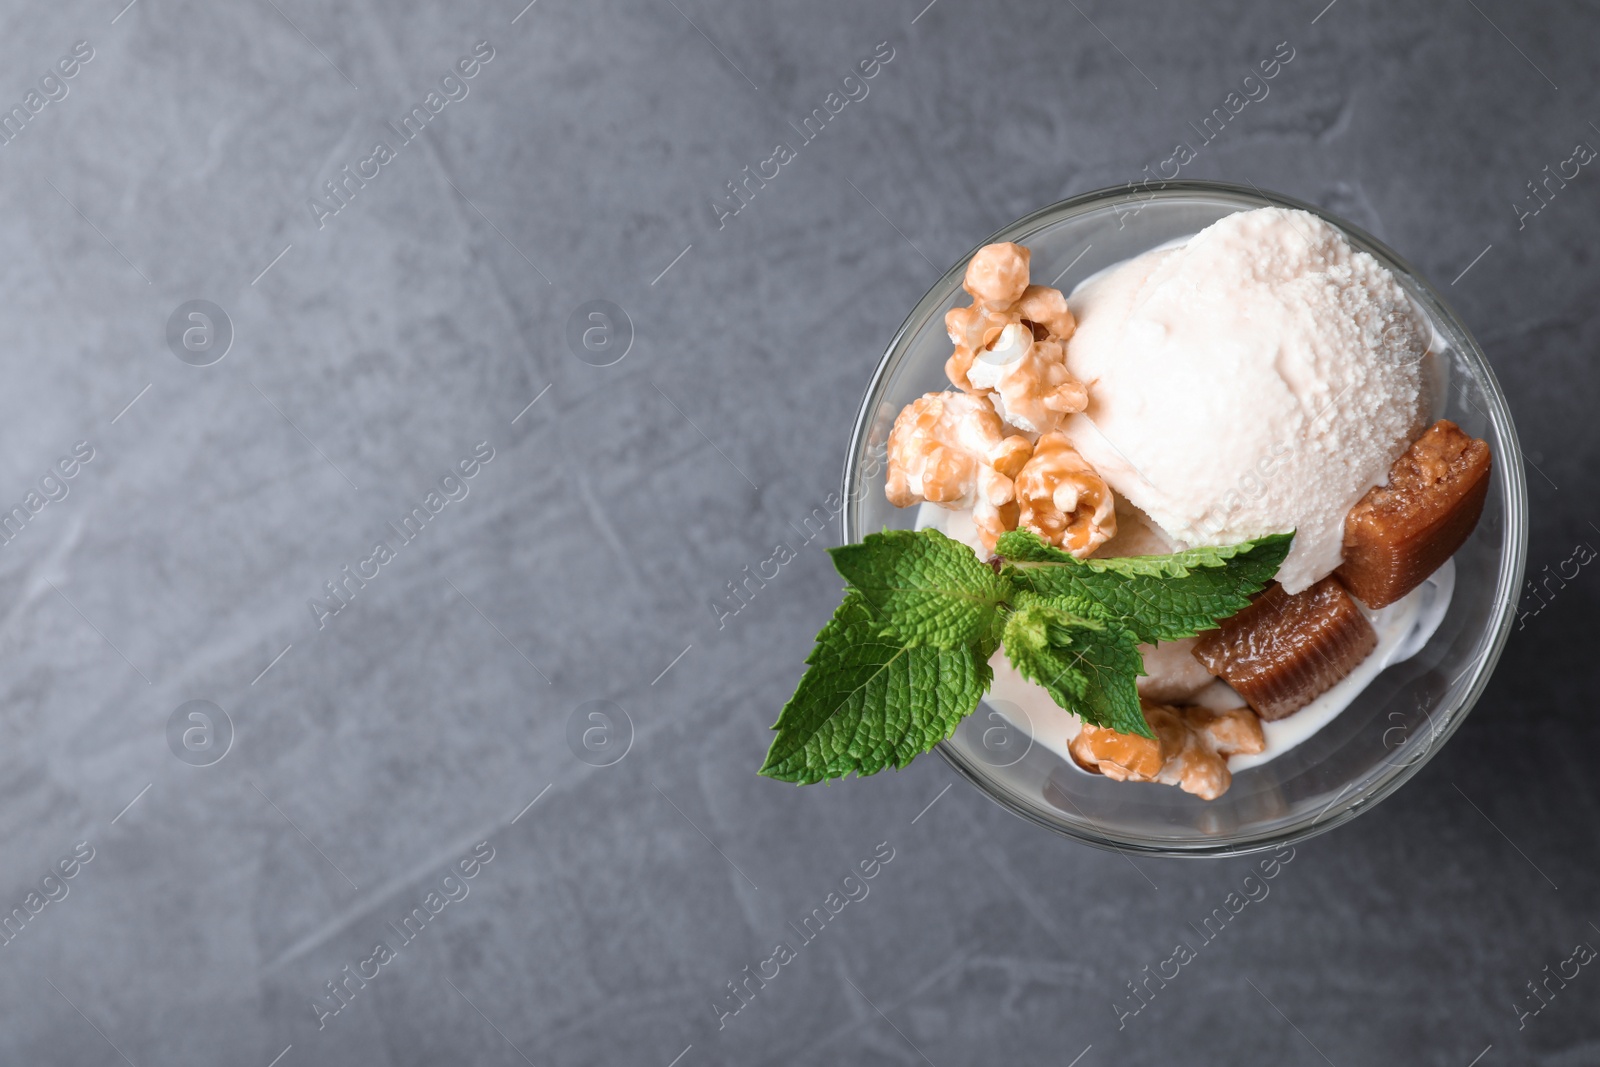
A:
(870, 700)
(905, 657)
(1158, 598)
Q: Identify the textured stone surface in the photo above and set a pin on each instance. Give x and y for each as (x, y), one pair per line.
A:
(424, 317)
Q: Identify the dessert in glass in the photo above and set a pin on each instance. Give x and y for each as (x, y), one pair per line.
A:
(1134, 373)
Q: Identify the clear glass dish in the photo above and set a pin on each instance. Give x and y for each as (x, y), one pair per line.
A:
(1375, 744)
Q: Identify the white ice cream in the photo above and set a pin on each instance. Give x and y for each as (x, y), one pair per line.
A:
(1258, 378)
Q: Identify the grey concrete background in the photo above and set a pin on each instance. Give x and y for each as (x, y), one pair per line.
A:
(372, 354)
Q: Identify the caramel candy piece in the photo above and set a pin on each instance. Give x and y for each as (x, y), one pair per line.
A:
(1283, 651)
(1400, 533)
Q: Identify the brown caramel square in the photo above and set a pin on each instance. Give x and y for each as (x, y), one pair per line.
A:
(1283, 651)
(1400, 533)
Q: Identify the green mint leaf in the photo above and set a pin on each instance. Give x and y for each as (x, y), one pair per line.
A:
(930, 589)
(1038, 641)
(1086, 662)
(1157, 598)
(871, 699)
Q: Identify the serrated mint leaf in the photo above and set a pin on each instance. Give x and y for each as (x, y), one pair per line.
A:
(1088, 664)
(870, 700)
(1038, 643)
(930, 589)
(1157, 598)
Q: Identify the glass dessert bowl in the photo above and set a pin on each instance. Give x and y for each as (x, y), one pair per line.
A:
(1403, 706)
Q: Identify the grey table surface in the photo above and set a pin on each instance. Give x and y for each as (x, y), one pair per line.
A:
(350, 763)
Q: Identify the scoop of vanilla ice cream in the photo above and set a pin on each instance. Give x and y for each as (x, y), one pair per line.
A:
(1259, 378)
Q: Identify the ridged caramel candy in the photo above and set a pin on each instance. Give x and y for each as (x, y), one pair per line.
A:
(1282, 652)
(1400, 533)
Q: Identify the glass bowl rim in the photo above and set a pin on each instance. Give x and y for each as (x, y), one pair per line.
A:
(1508, 475)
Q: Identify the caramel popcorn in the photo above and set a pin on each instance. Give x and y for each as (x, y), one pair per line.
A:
(970, 329)
(1046, 307)
(1027, 379)
(951, 449)
(1190, 750)
(1235, 732)
(1201, 767)
(1129, 757)
(997, 275)
(1011, 342)
(1010, 363)
(1062, 499)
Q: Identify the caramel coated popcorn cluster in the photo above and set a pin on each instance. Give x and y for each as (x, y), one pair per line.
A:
(1190, 751)
(1011, 343)
(1062, 499)
(994, 446)
(951, 449)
